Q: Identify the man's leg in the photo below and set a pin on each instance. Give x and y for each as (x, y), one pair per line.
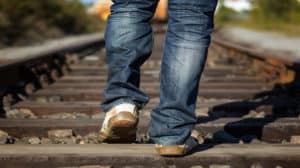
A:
(128, 42)
(186, 45)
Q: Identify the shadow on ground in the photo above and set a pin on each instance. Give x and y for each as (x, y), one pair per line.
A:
(264, 108)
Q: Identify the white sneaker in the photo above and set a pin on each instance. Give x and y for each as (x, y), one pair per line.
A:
(120, 124)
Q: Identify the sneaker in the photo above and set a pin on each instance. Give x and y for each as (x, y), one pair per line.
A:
(120, 124)
(180, 150)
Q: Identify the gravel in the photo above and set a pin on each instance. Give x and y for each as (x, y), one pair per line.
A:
(67, 133)
(20, 114)
(219, 166)
(3, 137)
(30, 140)
(54, 137)
(45, 141)
(255, 114)
(202, 112)
(256, 165)
(34, 140)
(74, 115)
(295, 140)
(95, 166)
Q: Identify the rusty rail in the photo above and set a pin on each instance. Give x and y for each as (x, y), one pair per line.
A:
(24, 69)
(288, 69)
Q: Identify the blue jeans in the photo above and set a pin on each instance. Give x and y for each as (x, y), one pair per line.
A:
(129, 42)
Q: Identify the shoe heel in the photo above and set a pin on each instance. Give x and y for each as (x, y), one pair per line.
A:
(122, 129)
(124, 119)
(176, 150)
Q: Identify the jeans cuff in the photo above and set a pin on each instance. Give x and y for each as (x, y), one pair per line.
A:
(190, 141)
(166, 141)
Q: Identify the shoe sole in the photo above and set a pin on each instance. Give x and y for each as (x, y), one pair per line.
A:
(122, 129)
(175, 150)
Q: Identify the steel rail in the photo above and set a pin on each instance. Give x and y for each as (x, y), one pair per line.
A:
(287, 69)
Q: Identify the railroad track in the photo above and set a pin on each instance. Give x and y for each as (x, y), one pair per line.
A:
(248, 108)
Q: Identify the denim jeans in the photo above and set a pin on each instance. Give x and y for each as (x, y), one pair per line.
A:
(129, 41)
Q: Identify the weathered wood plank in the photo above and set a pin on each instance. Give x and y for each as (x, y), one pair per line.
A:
(229, 156)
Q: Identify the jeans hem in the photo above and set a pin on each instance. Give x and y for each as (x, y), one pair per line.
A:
(190, 141)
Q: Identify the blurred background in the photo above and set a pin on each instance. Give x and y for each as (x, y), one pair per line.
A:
(26, 22)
